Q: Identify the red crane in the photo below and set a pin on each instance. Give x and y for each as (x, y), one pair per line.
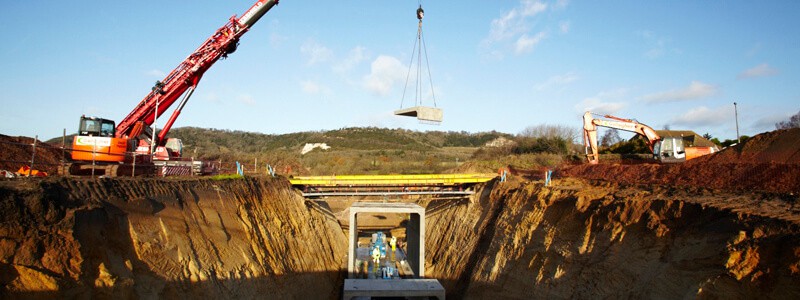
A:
(184, 79)
(98, 140)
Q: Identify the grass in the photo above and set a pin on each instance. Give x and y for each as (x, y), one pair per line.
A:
(226, 176)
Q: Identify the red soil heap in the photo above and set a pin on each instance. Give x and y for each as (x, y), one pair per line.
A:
(767, 162)
(16, 152)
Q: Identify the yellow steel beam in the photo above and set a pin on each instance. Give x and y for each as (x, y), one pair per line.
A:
(421, 179)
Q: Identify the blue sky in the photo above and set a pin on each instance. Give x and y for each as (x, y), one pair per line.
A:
(322, 65)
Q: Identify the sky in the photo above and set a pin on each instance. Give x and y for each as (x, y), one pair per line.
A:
(323, 65)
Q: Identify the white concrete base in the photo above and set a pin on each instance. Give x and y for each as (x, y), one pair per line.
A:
(393, 288)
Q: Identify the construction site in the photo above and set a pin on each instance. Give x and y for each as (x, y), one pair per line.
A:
(605, 230)
(121, 210)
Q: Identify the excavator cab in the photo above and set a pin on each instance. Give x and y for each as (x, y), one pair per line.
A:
(669, 149)
(94, 126)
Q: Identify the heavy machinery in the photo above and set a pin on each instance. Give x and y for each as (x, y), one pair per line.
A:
(667, 148)
(132, 146)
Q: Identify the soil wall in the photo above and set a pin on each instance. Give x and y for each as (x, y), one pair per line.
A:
(169, 239)
(255, 238)
(580, 240)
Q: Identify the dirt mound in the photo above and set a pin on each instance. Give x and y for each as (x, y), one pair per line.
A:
(780, 146)
(16, 152)
(767, 162)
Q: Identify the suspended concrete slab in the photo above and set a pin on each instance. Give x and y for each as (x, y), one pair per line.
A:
(422, 113)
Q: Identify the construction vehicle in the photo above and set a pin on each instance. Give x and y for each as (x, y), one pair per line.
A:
(132, 145)
(666, 147)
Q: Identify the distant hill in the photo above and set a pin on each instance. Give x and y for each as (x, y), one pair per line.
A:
(355, 138)
(352, 138)
(367, 150)
(358, 150)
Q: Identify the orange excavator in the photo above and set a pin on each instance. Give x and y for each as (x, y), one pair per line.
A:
(666, 149)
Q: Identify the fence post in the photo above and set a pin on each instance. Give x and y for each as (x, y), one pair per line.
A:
(133, 171)
(63, 146)
(94, 152)
(33, 156)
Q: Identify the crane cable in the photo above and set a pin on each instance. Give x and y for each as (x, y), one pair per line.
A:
(419, 47)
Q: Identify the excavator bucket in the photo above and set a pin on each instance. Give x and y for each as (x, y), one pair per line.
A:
(422, 113)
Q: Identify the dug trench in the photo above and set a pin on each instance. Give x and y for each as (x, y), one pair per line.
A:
(257, 238)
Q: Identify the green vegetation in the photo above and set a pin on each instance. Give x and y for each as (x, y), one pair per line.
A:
(226, 176)
(728, 142)
(371, 150)
(536, 147)
(632, 146)
(367, 150)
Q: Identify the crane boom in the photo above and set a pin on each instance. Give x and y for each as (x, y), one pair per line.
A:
(188, 73)
(125, 149)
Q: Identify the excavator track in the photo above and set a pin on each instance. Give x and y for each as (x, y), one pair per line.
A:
(112, 170)
(65, 169)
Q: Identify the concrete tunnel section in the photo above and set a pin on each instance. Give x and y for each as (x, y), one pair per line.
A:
(417, 286)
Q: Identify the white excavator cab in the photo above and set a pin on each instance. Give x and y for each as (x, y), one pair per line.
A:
(669, 149)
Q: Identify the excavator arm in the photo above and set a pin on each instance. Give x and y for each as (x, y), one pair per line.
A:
(188, 74)
(590, 125)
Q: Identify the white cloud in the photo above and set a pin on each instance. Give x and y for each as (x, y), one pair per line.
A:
(526, 43)
(762, 70)
(557, 80)
(704, 117)
(532, 8)
(315, 52)
(564, 26)
(513, 22)
(386, 72)
(514, 26)
(561, 4)
(355, 57)
(695, 90)
(506, 26)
